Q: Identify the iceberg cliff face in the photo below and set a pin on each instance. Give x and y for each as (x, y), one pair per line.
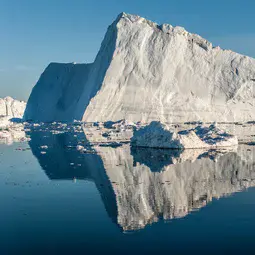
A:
(144, 72)
(57, 93)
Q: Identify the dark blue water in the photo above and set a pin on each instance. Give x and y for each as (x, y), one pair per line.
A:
(65, 202)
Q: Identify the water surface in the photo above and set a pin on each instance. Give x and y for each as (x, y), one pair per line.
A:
(120, 200)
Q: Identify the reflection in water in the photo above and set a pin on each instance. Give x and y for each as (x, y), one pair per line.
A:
(62, 161)
(158, 159)
(140, 186)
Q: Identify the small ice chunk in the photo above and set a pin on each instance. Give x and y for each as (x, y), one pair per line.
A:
(158, 135)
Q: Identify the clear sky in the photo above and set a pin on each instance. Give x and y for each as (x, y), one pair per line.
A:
(37, 32)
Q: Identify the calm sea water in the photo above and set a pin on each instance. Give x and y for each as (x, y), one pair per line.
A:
(122, 201)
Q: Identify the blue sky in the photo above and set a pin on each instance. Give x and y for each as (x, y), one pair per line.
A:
(37, 32)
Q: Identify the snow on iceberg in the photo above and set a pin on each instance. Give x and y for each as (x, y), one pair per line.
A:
(158, 135)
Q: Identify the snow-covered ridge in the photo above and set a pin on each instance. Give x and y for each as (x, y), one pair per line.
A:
(144, 72)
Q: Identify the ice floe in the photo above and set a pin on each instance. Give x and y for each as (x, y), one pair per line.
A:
(158, 135)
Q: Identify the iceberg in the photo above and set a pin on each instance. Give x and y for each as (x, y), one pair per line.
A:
(11, 107)
(11, 113)
(158, 135)
(4, 122)
(145, 72)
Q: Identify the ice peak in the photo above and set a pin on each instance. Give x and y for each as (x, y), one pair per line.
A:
(8, 98)
(165, 28)
(135, 20)
(126, 17)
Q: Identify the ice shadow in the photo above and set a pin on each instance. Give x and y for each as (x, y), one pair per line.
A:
(64, 90)
(155, 159)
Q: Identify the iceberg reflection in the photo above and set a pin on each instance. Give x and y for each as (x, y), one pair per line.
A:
(140, 186)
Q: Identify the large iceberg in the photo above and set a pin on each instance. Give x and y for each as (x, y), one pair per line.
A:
(144, 72)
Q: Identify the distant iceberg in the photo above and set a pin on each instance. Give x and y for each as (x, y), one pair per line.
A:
(11, 107)
(11, 113)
